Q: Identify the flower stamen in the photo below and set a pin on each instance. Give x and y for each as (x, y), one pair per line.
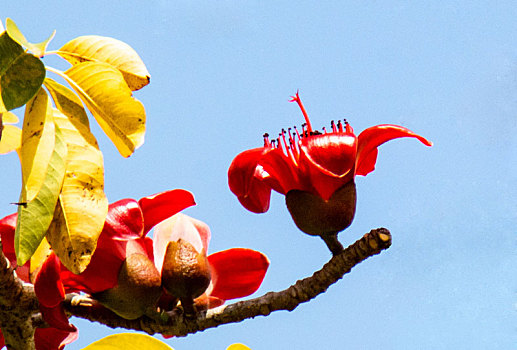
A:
(304, 112)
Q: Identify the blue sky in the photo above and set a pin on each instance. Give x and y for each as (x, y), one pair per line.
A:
(222, 73)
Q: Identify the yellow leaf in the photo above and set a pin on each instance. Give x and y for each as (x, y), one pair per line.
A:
(103, 90)
(10, 135)
(238, 346)
(67, 102)
(83, 205)
(39, 256)
(10, 118)
(35, 216)
(37, 145)
(37, 49)
(115, 52)
(128, 341)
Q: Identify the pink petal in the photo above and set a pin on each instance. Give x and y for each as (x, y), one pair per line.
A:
(161, 206)
(245, 180)
(375, 136)
(53, 339)
(237, 272)
(180, 226)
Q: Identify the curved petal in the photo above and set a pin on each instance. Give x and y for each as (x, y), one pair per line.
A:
(48, 285)
(121, 235)
(161, 206)
(52, 338)
(375, 136)
(282, 169)
(7, 230)
(205, 302)
(56, 317)
(327, 162)
(124, 221)
(332, 154)
(245, 180)
(237, 272)
(180, 226)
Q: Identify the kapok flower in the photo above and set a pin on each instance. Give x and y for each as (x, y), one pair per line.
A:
(180, 246)
(315, 170)
(44, 338)
(121, 273)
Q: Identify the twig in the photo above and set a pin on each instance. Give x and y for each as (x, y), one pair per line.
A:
(302, 291)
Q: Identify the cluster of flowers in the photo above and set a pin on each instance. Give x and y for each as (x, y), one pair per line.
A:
(131, 273)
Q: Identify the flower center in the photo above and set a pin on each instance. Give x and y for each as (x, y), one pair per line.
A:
(292, 148)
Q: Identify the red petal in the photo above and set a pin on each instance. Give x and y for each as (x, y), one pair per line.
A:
(283, 170)
(2, 341)
(161, 206)
(375, 136)
(124, 221)
(7, 229)
(237, 272)
(327, 162)
(124, 224)
(56, 317)
(333, 154)
(245, 180)
(205, 302)
(53, 339)
(48, 285)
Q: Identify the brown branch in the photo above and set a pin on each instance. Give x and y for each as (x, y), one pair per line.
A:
(302, 291)
(17, 304)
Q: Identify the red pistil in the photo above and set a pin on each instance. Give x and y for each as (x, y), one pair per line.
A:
(299, 101)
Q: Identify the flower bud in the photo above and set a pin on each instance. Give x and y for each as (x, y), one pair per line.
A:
(138, 288)
(316, 216)
(185, 272)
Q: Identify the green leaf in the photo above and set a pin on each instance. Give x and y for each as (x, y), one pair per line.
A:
(103, 90)
(112, 51)
(37, 49)
(83, 206)
(21, 74)
(128, 341)
(35, 216)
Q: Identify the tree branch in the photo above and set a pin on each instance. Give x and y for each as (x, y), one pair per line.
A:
(17, 304)
(302, 291)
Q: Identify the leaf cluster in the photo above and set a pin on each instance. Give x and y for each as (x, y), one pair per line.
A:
(62, 204)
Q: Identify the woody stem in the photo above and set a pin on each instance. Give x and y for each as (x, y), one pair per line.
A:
(332, 243)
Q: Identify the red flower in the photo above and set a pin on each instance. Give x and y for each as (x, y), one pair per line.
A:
(45, 338)
(234, 273)
(309, 161)
(123, 236)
